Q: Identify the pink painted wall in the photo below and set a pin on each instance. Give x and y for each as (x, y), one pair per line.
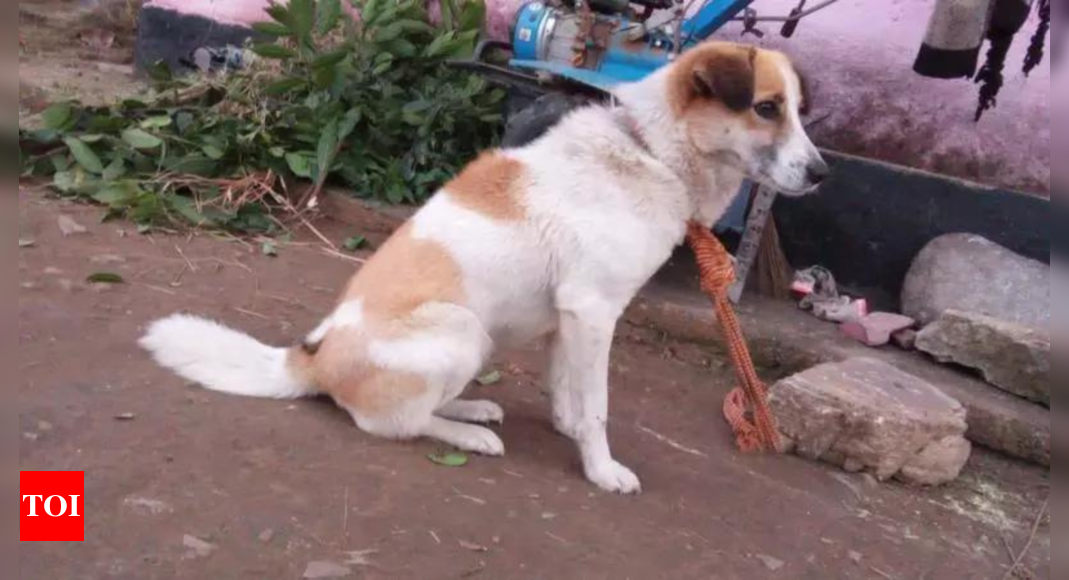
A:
(859, 56)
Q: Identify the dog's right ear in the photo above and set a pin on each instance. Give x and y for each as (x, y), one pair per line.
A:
(726, 74)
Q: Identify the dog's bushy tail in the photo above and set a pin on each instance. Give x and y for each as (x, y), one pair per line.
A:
(225, 360)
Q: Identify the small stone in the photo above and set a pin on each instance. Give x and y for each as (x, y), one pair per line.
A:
(325, 569)
(44, 426)
(773, 564)
(266, 536)
(107, 259)
(853, 465)
(29, 286)
(969, 273)
(197, 547)
(548, 515)
(125, 417)
(905, 339)
(866, 413)
(1012, 357)
(472, 546)
(147, 506)
(52, 271)
(68, 227)
(876, 328)
(938, 463)
(855, 557)
(30, 436)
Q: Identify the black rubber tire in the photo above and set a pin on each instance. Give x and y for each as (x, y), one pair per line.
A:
(534, 120)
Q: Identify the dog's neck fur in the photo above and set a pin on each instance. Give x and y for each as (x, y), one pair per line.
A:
(648, 116)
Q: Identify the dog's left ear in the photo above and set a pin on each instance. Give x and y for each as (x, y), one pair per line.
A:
(727, 76)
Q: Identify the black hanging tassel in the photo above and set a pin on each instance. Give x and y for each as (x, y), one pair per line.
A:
(1039, 40)
(990, 76)
(1007, 18)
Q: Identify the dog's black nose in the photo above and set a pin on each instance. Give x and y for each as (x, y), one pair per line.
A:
(817, 171)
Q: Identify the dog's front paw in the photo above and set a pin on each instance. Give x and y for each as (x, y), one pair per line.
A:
(483, 441)
(613, 477)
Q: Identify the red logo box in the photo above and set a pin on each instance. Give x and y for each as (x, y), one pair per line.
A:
(53, 506)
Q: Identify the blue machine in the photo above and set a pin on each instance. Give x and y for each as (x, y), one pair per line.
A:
(615, 44)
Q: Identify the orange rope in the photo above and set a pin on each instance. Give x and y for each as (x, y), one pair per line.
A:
(717, 275)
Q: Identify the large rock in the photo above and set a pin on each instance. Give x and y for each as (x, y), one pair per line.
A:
(863, 414)
(1011, 357)
(972, 274)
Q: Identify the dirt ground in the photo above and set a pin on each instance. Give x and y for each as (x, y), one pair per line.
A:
(270, 487)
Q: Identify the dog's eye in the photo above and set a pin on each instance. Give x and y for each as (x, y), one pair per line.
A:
(767, 110)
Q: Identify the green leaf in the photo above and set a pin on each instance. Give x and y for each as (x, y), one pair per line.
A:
(213, 152)
(327, 149)
(324, 77)
(456, 459)
(354, 243)
(331, 58)
(160, 72)
(279, 88)
(105, 278)
(84, 155)
(271, 29)
(188, 210)
(490, 378)
(65, 181)
(118, 194)
(370, 11)
(348, 123)
(472, 16)
(280, 14)
(157, 122)
(329, 12)
(382, 68)
(273, 51)
(56, 117)
(139, 139)
(299, 164)
(269, 249)
(439, 44)
(114, 170)
(302, 17)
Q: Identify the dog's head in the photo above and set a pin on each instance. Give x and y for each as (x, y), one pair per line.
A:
(742, 106)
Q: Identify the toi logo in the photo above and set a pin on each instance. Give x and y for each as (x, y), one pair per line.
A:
(52, 506)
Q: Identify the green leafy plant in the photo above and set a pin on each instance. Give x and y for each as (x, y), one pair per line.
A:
(368, 105)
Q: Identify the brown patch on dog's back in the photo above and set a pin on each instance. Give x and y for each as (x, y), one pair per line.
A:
(491, 185)
(404, 274)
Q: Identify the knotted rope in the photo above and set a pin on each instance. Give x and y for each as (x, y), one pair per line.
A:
(717, 275)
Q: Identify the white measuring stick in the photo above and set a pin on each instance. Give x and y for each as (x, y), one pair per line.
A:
(760, 212)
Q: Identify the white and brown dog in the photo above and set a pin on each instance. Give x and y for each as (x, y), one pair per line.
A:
(550, 242)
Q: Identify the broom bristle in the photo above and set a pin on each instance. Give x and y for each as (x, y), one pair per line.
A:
(773, 271)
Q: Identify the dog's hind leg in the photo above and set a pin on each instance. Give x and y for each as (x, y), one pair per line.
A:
(471, 411)
(414, 376)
